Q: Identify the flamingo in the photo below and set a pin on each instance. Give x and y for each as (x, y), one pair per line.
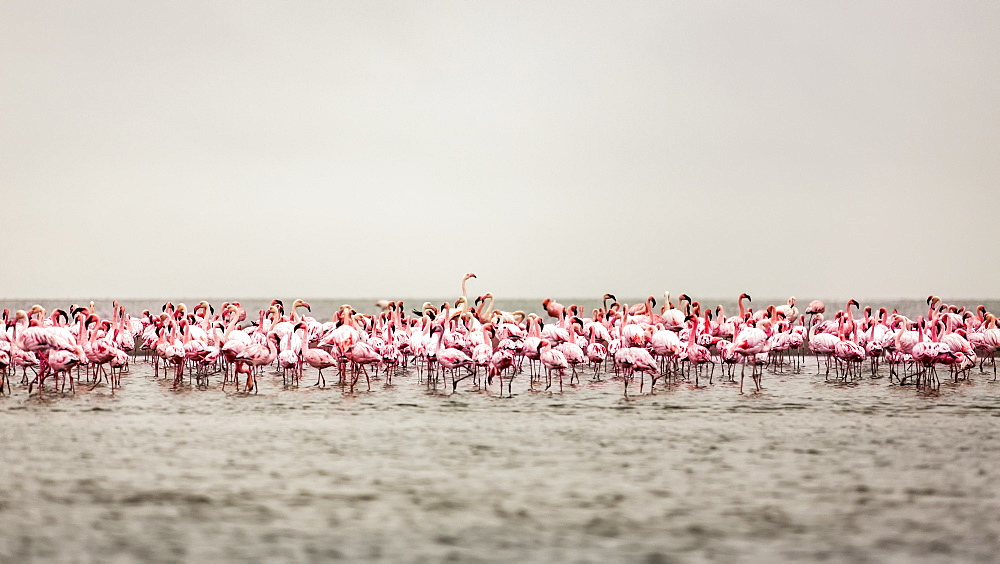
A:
(596, 352)
(501, 361)
(553, 308)
(552, 359)
(451, 358)
(360, 355)
(697, 355)
(5, 361)
(847, 351)
(254, 357)
(572, 352)
(749, 342)
(318, 359)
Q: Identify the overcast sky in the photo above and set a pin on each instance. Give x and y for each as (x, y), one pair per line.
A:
(565, 149)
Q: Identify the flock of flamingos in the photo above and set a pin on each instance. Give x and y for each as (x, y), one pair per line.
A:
(465, 340)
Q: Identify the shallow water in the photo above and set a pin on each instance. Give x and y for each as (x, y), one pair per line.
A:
(806, 469)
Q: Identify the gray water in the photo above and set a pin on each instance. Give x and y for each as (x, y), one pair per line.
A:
(807, 469)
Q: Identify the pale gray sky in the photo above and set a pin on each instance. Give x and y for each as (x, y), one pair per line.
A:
(329, 149)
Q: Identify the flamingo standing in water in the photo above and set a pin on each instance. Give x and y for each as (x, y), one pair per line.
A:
(695, 354)
(643, 362)
(552, 359)
(361, 355)
(596, 353)
(5, 363)
(501, 361)
(750, 342)
(572, 351)
(821, 344)
(254, 357)
(847, 351)
(450, 358)
(317, 358)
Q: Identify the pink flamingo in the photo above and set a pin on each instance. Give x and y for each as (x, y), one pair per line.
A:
(572, 352)
(697, 355)
(450, 358)
(553, 308)
(5, 362)
(929, 353)
(317, 358)
(643, 362)
(253, 358)
(847, 351)
(361, 355)
(596, 352)
(501, 361)
(749, 342)
(673, 319)
(552, 359)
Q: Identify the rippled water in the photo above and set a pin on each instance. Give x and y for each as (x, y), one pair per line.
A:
(807, 469)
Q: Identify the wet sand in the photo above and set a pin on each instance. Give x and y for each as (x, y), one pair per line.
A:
(805, 470)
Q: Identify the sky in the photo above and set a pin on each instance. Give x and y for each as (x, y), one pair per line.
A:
(563, 149)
